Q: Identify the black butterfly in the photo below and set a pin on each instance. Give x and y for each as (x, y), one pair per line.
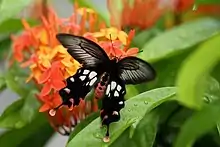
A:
(95, 62)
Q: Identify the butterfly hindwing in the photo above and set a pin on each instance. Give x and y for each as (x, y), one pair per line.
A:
(134, 70)
(112, 102)
(78, 86)
(83, 50)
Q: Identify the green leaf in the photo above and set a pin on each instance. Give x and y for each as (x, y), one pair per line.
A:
(167, 70)
(144, 36)
(83, 124)
(13, 25)
(133, 112)
(20, 113)
(103, 13)
(10, 8)
(180, 38)
(195, 70)
(4, 47)
(12, 83)
(131, 91)
(218, 127)
(10, 117)
(15, 79)
(144, 134)
(35, 134)
(30, 107)
(212, 91)
(2, 83)
(207, 2)
(179, 117)
(200, 123)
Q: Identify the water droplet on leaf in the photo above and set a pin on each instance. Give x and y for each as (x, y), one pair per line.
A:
(97, 135)
(183, 34)
(146, 102)
(149, 100)
(135, 104)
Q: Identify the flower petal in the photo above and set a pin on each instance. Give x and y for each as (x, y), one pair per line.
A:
(122, 36)
(58, 84)
(132, 52)
(44, 108)
(46, 89)
(45, 76)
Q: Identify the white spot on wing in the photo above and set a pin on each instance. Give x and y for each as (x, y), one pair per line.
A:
(121, 103)
(107, 90)
(67, 90)
(115, 113)
(119, 88)
(116, 94)
(72, 79)
(85, 72)
(92, 74)
(93, 81)
(113, 85)
(82, 78)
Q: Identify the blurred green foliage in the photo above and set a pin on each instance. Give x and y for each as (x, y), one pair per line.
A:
(180, 108)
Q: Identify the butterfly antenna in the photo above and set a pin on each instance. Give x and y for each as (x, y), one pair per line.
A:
(131, 54)
(140, 51)
(112, 45)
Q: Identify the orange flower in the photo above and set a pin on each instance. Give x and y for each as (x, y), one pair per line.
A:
(50, 64)
(116, 42)
(139, 13)
(50, 101)
(182, 5)
(52, 78)
(20, 44)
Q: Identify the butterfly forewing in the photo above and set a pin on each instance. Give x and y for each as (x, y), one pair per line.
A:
(133, 70)
(83, 50)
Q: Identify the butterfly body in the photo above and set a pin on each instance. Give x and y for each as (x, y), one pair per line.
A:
(101, 86)
(111, 76)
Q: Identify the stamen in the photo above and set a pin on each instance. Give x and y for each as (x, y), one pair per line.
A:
(52, 112)
(114, 56)
(72, 104)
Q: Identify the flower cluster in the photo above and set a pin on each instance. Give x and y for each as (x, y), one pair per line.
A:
(136, 13)
(144, 14)
(50, 64)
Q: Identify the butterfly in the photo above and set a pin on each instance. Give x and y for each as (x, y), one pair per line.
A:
(97, 68)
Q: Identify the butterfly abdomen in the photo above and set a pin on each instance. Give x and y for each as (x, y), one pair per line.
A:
(101, 86)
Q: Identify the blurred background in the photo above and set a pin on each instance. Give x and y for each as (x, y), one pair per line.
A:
(179, 38)
(64, 9)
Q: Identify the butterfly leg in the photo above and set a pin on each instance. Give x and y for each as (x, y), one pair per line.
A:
(106, 138)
